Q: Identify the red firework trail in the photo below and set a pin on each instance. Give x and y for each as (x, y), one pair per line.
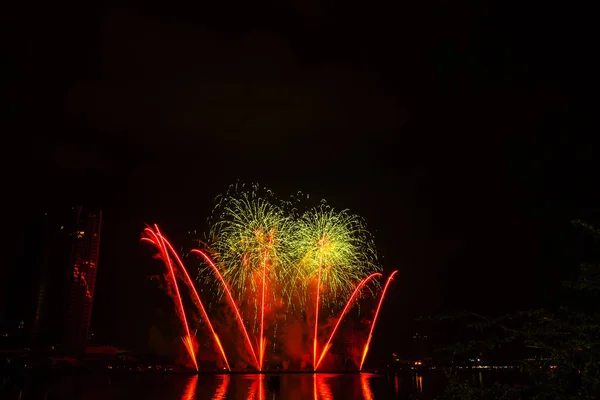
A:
(344, 312)
(198, 301)
(316, 321)
(232, 301)
(262, 307)
(188, 339)
(366, 349)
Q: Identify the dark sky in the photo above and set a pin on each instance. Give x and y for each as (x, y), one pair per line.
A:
(461, 131)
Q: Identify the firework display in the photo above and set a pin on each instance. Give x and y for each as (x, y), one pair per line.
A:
(279, 269)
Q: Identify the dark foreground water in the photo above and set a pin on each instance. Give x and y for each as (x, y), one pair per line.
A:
(184, 387)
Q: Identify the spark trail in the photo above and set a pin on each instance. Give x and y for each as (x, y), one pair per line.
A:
(164, 247)
(343, 314)
(316, 321)
(232, 301)
(262, 306)
(187, 340)
(199, 303)
(366, 349)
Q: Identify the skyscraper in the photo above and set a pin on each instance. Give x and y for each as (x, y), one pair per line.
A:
(82, 280)
(50, 290)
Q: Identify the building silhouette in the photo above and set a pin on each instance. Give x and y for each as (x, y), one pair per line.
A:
(50, 290)
(82, 280)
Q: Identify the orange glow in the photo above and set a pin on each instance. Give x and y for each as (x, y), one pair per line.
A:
(233, 303)
(221, 391)
(190, 389)
(366, 387)
(344, 312)
(198, 301)
(366, 349)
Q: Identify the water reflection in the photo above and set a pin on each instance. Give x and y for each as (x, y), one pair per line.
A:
(189, 392)
(322, 391)
(221, 392)
(419, 382)
(366, 387)
(257, 388)
(190, 389)
(236, 387)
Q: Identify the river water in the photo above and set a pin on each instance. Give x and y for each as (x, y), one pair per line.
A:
(150, 386)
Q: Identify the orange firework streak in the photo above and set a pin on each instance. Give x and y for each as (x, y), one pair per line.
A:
(232, 301)
(198, 301)
(188, 339)
(262, 307)
(366, 349)
(344, 312)
(316, 321)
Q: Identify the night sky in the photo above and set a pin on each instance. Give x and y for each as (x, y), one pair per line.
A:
(463, 134)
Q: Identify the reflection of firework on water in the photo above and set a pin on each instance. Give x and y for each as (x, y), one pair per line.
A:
(267, 259)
